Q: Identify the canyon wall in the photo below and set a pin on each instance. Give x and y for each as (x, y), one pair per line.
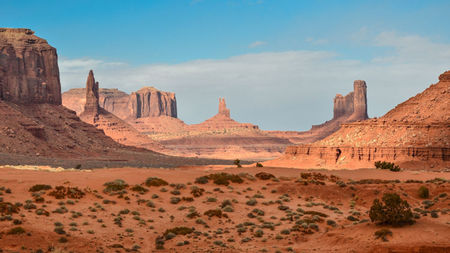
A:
(29, 71)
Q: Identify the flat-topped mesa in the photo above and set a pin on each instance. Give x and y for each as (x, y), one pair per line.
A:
(92, 99)
(151, 102)
(223, 110)
(29, 71)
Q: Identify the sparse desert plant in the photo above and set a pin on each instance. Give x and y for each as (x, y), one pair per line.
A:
(393, 211)
(7, 208)
(155, 181)
(16, 231)
(387, 166)
(197, 191)
(215, 212)
(264, 176)
(140, 189)
(61, 192)
(39, 187)
(424, 192)
(225, 178)
(175, 200)
(383, 233)
(115, 186)
(178, 231)
(259, 165)
(251, 202)
(237, 162)
(201, 180)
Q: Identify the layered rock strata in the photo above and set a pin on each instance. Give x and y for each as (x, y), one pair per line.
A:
(415, 134)
(144, 103)
(29, 71)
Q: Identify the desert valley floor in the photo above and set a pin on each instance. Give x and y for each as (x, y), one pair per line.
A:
(280, 210)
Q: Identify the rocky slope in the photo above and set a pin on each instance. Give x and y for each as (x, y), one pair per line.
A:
(415, 134)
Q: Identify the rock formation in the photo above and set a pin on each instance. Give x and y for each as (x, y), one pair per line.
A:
(150, 102)
(91, 106)
(112, 126)
(29, 71)
(415, 134)
(223, 110)
(349, 108)
(146, 102)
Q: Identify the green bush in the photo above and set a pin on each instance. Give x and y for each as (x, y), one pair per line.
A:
(224, 178)
(259, 165)
(202, 180)
(393, 211)
(140, 189)
(424, 192)
(264, 176)
(387, 166)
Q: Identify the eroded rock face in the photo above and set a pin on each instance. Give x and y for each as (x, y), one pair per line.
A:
(359, 101)
(150, 102)
(29, 71)
(343, 106)
(223, 110)
(147, 102)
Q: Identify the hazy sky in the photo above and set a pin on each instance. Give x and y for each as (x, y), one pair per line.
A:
(278, 63)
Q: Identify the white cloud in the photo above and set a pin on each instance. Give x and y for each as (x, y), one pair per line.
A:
(278, 90)
(257, 44)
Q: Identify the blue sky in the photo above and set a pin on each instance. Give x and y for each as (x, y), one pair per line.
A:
(278, 63)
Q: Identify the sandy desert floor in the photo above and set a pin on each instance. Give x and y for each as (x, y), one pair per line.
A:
(296, 211)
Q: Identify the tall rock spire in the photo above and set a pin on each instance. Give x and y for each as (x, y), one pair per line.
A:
(359, 101)
(92, 105)
(223, 110)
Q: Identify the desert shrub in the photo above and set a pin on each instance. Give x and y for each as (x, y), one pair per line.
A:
(62, 192)
(225, 178)
(393, 211)
(259, 165)
(63, 239)
(140, 189)
(215, 212)
(178, 231)
(264, 176)
(42, 211)
(175, 200)
(201, 180)
(187, 199)
(115, 186)
(387, 166)
(39, 187)
(331, 223)
(237, 162)
(193, 214)
(383, 233)
(225, 203)
(424, 192)
(259, 233)
(155, 181)
(16, 231)
(251, 202)
(316, 213)
(7, 208)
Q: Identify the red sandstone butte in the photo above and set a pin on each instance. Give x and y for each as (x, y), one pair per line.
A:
(28, 68)
(415, 135)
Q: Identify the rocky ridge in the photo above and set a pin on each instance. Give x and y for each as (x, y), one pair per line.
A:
(415, 134)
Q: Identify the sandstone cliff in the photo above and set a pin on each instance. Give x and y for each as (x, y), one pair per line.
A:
(144, 103)
(29, 71)
(415, 134)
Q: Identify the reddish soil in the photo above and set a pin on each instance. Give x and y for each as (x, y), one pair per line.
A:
(95, 230)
